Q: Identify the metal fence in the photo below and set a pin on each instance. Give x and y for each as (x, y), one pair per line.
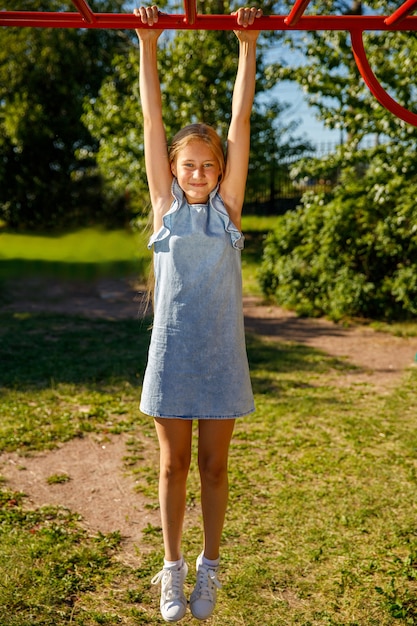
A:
(275, 192)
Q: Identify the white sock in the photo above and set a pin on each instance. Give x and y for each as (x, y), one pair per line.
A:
(210, 563)
(173, 564)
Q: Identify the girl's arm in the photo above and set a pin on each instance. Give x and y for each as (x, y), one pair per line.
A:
(232, 187)
(158, 170)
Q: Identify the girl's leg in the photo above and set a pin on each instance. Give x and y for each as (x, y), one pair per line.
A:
(174, 437)
(213, 451)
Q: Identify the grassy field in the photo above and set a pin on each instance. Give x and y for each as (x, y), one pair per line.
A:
(322, 522)
(83, 254)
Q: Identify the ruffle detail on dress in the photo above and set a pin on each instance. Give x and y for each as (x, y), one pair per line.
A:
(237, 238)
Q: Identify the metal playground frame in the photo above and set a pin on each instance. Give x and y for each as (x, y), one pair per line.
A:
(401, 20)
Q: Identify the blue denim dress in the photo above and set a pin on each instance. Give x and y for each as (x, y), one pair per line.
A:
(197, 363)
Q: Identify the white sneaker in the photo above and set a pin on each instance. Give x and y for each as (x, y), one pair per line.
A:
(173, 601)
(203, 598)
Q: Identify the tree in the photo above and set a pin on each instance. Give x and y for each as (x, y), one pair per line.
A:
(47, 175)
(352, 251)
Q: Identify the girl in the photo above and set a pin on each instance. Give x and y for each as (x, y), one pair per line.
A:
(197, 365)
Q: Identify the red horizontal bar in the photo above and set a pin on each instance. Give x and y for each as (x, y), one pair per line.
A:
(400, 20)
(203, 22)
(402, 12)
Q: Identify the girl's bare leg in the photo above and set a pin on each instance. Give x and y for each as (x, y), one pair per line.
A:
(213, 451)
(174, 437)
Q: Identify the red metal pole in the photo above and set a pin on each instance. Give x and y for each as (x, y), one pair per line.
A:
(373, 84)
(400, 20)
(402, 12)
(203, 22)
(85, 10)
(296, 12)
(190, 11)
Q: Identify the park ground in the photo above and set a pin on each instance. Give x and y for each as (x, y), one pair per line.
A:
(323, 474)
(98, 482)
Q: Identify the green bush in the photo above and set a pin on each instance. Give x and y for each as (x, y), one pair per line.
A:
(352, 251)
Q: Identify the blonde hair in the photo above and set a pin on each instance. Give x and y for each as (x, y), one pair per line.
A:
(198, 132)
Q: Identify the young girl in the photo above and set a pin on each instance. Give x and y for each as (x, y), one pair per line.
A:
(197, 365)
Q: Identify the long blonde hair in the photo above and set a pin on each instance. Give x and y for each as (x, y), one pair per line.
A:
(198, 132)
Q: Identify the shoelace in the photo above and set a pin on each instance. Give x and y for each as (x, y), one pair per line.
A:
(206, 579)
(171, 579)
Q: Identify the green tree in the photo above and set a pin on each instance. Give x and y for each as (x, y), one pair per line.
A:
(114, 119)
(352, 251)
(47, 174)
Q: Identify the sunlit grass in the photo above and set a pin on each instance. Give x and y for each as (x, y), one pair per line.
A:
(93, 252)
(85, 246)
(399, 329)
(255, 229)
(258, 223)
(80, 254)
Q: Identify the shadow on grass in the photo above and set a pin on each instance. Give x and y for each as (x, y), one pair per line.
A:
(287, 357)
(37, 350)
(281, 369)
(22, 268)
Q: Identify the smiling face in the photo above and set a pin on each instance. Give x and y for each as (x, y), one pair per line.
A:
(197, 171)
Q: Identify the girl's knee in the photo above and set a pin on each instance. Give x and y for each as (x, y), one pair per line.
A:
(213, 471)
(175, 468)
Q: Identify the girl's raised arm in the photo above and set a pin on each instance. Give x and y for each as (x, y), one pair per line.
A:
(232, 187)
(158, 170)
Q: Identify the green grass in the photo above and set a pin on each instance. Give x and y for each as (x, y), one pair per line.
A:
(398, 329)
(83, 254)
(321, 528)
(47, 561)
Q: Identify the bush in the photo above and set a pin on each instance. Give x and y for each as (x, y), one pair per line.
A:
(353, 251)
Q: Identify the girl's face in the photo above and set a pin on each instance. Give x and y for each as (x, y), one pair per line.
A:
(197, 171)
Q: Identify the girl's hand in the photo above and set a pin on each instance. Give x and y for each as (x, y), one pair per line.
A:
(246, 16)
(149, 16)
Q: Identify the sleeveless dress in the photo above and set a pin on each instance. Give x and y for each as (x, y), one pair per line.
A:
(197, 363)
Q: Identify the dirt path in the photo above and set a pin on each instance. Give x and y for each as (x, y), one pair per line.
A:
(99, 487)
(380, 358)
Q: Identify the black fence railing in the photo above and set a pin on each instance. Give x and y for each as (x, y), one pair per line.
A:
(275, 192)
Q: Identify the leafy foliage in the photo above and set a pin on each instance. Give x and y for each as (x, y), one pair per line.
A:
(47, 173)
(71, 144)
(352, 251)
(115, 120)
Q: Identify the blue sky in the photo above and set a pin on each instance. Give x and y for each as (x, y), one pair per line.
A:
(291, 93)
